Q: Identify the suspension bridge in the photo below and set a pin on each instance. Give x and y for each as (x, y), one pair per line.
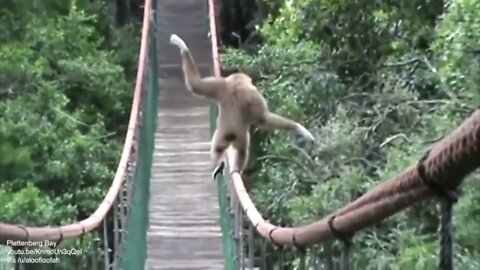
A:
(163, 211)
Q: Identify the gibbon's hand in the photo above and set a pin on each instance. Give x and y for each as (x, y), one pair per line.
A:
(303, 142)
(305, 133)
(304, 138)
(177, 41)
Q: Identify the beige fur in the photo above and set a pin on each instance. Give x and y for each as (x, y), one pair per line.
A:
(240, 106)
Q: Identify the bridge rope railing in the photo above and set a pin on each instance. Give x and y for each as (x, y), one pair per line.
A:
(123, 213)
(447, 165)
(437, 174)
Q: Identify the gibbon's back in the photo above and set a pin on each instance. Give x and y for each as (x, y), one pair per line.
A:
(239, 77)
(245, 97)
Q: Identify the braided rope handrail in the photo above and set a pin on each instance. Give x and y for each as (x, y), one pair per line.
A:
(58, 233)
(449, 162)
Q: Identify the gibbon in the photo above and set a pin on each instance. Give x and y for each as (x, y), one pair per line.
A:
(240, 105)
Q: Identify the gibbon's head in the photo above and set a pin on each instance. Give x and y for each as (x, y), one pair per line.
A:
(240, 77)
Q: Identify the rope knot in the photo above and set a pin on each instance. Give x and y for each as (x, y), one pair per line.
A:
(450, 195)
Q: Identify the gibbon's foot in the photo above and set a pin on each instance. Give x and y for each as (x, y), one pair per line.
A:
(177, 41)
(218, 169)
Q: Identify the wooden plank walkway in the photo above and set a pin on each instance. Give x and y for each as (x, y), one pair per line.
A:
(184, 230)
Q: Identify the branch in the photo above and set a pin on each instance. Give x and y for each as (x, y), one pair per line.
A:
(364, 160)
(70, 117)
(402, 63)
(101, 136)
(285, 159)
(391, 138)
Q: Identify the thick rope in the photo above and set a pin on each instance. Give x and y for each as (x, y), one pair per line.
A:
(436, 189)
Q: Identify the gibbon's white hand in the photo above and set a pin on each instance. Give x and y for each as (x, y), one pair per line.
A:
(304, 132)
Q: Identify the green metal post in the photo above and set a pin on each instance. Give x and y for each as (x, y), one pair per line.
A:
(225, 221)
(136, 251)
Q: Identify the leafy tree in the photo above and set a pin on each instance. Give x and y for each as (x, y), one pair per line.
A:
(378, 82)
(65, 91)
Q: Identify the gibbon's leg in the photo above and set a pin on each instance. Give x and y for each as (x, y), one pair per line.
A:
(275, 121)
(208, 86)
(241, 146)
(218, 146)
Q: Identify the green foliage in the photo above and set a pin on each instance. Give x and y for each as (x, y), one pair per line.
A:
(65, 93)
(457, 51)
(377, 81)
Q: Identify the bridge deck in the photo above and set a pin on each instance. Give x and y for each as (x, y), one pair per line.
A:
(184, 231)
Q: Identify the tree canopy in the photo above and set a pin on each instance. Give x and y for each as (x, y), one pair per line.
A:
(378, 82)
(66, 83)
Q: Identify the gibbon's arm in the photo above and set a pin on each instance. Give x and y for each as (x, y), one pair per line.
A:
(208, 86)
(275, 121)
